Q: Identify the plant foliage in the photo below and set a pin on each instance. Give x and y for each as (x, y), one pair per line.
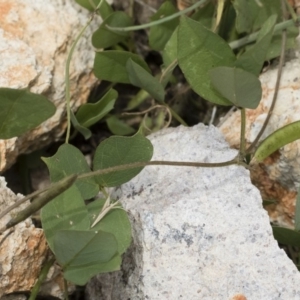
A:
(220, 64)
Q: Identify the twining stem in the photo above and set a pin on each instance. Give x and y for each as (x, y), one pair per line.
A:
(160, 21)
(67, 77)
(23, 200)
(158, 163)
(66, 293)
(58, 187)
(253, 37)
(166, 71)
(52, 192)
(243, 132)
(67, 71)
(252, 147)
(290, 10)
(233, 45)
(41, 279)
(176, 116)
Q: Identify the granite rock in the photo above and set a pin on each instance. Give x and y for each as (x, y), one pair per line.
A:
(198, 233)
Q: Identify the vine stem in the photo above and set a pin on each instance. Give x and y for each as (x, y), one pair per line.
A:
(233, 45)
(243, 131)
(253, 146)
(67, 71)
(41, 279)
(253, 37)
(160, 21)
(159, 163)
(67, 78)
(52, 188)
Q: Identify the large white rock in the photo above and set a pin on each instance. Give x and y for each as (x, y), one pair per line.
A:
(35, 39)
(197, 233)
(278, 177)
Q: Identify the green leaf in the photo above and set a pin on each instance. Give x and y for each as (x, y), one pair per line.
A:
(67, 211)
(78, 248)
(134, 102)
(170, 51)
(118, 127)
(21, 111)
(276, 140)
(268, 202)
(141, 78)
(83, 254)
(244, 17)
(81, 275)
(160, 34)
(90, 113)
(253, 59)
(105, 38)
(115, 222)
(104, 10)
(205, 14)
(111, 65)
(262, 10)
(69, 160)
(275, 47)
(286, 236)
(83, 130)
(118, 150)
(205, 51)
(297, 211)
(241, 88)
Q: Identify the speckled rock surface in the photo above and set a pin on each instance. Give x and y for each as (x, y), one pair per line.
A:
(197, 233)
(278, 177)
(35, 38)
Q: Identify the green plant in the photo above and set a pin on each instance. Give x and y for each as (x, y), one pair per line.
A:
(220, 64)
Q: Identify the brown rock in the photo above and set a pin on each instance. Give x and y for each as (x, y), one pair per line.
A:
(35, 39)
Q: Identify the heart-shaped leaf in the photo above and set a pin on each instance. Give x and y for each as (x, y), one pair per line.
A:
(111, 65)
(119, 150)
(140, 77)
(67, 211)
(244, 16)
(77, 248)
(81, 275)
(241, 88)
(115, 221)
(21, 111)
(199, 50)
(160, 34)
(105, 38)
(83, 130)
(119, 127)
(253, 59)
(69, 160)
(90, 113)
(104, 10)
